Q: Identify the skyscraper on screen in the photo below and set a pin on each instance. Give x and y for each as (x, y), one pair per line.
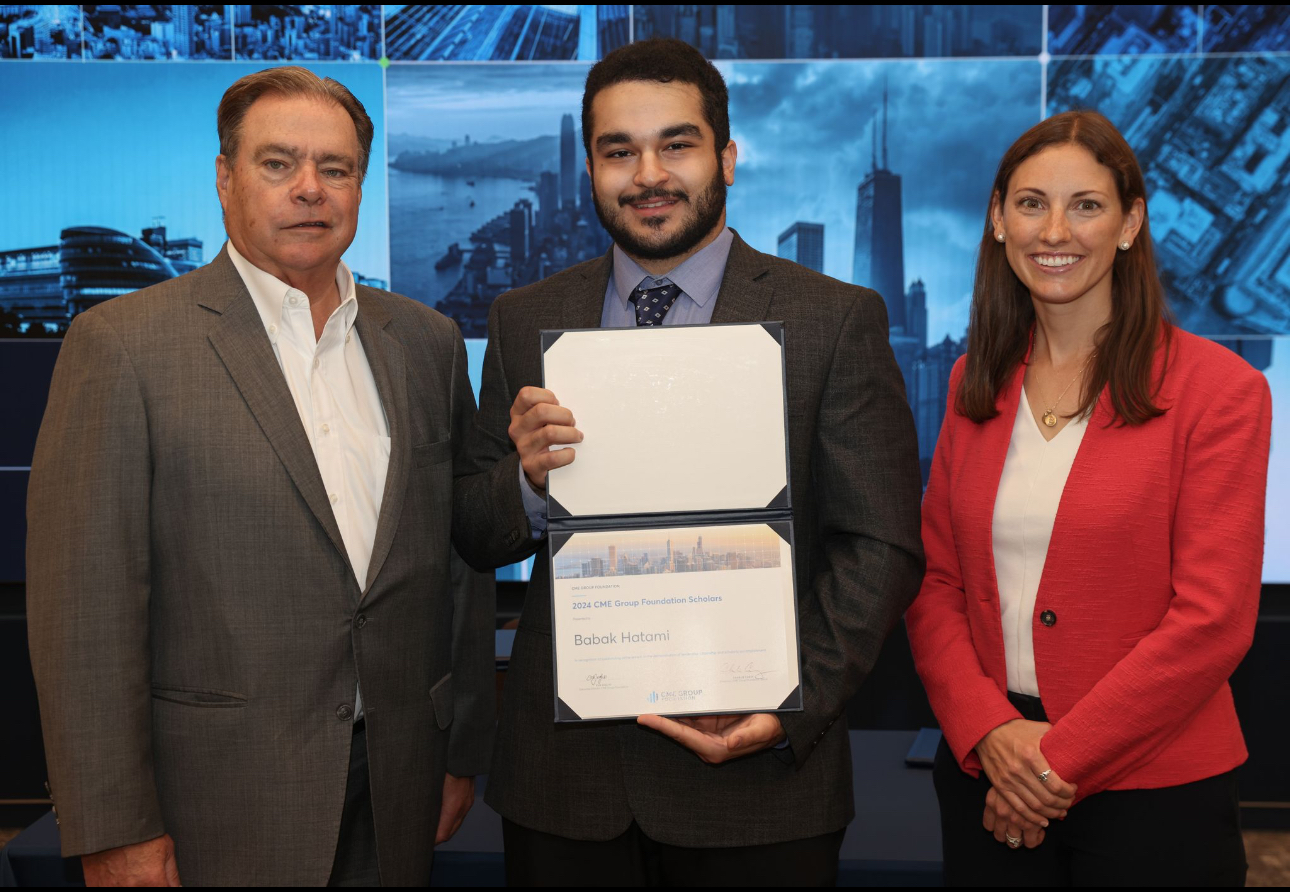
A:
(803, 243)
(879, 250)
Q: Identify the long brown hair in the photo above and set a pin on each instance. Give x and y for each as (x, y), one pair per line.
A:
(1002, 315)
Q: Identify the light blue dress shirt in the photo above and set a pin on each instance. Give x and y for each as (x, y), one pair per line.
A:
(699, 279)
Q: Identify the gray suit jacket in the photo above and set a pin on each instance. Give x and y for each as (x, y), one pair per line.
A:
(196, 630)
(859, 561)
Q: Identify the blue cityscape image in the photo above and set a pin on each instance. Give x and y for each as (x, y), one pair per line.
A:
(1213, 137)
(887, 186)
(83, 225)
(653, 553)
(335, 33)
(1123, 30)
(488, 185)
(1168, 29)
(1246, 29)
(819, 31)
(40, 32)
(524, 33)
(170, 32)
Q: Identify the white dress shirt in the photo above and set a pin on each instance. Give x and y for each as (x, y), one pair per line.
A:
(332, 385)
(1034, 475)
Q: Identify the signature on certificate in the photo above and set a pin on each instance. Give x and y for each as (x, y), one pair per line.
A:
(744, 671)
(598, 681)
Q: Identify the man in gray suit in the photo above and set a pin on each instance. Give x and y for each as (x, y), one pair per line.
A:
(254, 664)
(736, 800)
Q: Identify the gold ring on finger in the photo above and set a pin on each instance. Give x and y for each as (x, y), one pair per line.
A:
(1043, 775)
(1013, 842)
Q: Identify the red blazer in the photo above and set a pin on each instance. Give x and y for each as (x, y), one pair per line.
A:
(1153, 572)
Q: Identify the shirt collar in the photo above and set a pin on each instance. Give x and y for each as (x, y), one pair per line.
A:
(699, 277)
(270, 293)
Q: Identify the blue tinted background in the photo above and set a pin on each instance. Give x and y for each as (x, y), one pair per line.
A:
(118, 145)
(783, 175)
(469, 117)
(504, 32)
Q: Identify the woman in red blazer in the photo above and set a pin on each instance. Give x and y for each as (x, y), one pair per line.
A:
(1094, 534)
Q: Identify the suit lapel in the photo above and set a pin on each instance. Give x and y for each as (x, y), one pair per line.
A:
(995, 434)
(243, 346)
(389, 369)
(583, 307)
(745, 293)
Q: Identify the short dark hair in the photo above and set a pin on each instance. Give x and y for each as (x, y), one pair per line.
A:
(661, 59)
(288, 80)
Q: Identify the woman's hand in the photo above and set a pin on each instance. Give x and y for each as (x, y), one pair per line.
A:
(1001, 820)
(1013, 762)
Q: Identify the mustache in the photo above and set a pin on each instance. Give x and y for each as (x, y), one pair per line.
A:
(652, 195)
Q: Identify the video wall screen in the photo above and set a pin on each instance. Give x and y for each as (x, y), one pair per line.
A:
(868, 137)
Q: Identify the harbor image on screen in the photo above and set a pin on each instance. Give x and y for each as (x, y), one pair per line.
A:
(486, 195)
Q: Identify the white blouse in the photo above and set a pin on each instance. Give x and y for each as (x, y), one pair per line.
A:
(1034, 475)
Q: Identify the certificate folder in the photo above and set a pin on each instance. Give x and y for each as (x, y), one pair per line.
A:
(670, 535)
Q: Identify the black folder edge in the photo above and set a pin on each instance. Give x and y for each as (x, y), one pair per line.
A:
(549, 337)
(785, 530)
(778, 515)
(554, 509)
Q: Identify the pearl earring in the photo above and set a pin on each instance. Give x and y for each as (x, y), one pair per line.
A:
(1124, 246)
(998, 236)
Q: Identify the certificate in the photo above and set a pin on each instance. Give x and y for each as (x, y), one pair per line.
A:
(674, 621)
(670, 534)
(676, 419)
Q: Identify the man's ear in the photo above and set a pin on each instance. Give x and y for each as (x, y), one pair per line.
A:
(728, 157)
(223, 171)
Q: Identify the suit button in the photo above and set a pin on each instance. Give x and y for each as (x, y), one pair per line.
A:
(512, 537)
(361, 621)
(344, 712)
(1048, 618)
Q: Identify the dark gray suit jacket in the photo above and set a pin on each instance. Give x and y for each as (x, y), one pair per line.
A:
(196, 630)
(859, 561)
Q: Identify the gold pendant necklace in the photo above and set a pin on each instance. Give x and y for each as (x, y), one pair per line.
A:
(1050, 420)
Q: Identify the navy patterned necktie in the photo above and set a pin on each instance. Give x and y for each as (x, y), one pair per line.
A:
(652, 304)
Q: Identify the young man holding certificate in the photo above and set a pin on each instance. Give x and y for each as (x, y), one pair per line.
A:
(750, 798)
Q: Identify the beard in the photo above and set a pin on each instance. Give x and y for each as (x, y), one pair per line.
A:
(701, 217)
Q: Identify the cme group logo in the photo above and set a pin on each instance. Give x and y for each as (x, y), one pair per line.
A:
(674, 696)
